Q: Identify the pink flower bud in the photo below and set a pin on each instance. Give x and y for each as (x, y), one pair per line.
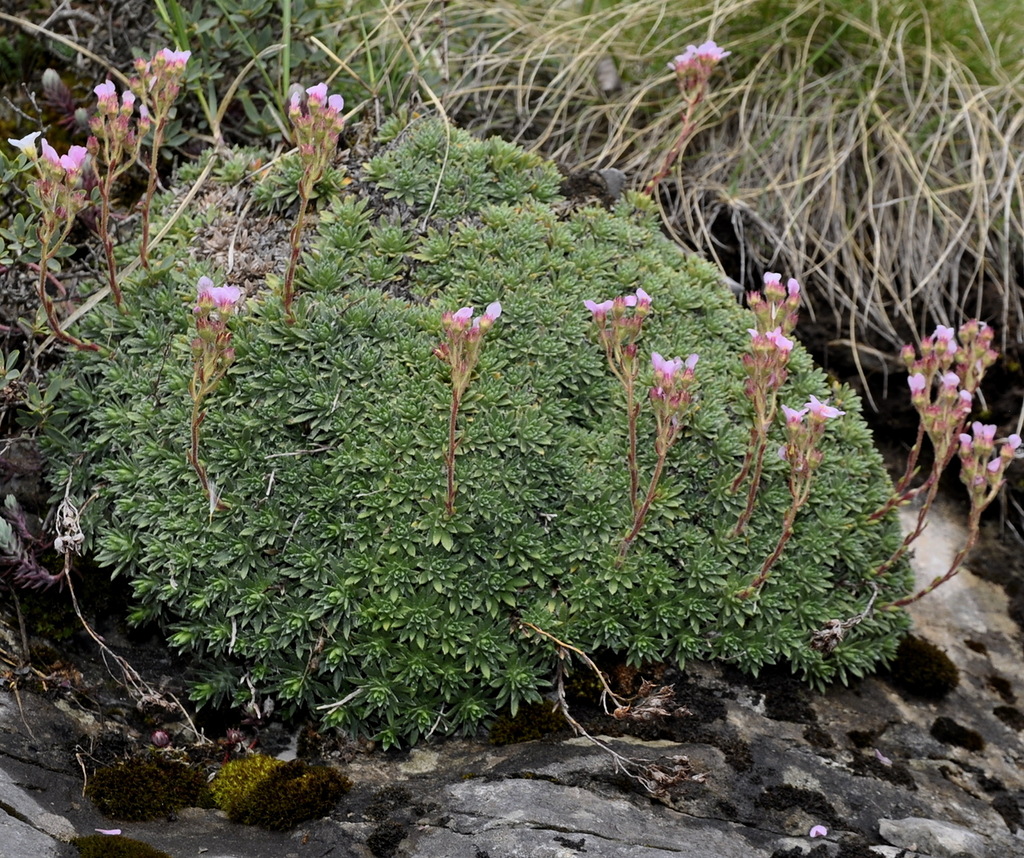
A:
(793, 288)
(160, 739)
(1013, 442)
(691, 361)
(994, 465)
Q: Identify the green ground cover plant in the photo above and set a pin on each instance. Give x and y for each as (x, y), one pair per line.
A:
(326, 567)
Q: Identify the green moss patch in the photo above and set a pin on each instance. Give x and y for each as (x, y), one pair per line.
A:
(147, 788)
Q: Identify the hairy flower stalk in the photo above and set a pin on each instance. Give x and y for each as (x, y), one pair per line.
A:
(693, 69)
(115, 144)
(157, 86)
(671, 397)
(804, 456)
(775, 315)
(58, 196)
(461, 350)
(213, 354)
(618, 333)
(942, 386)
(983, 475)
(316, 135)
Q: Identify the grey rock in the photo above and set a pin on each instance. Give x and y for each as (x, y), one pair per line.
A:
(941, 839)
(538, 818)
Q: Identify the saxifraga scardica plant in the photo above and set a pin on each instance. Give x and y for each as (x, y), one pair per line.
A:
(333, 577)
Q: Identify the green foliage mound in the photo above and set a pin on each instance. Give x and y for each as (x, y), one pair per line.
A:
(332, 577)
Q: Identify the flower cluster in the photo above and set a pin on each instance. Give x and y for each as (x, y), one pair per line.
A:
(461, 351)
(317, 126)
(775, 317)
(695, 65)
(979, 470)
(213, 355)
(114, 145)
(618, 332)
(670, 396)
(693, 70)
(157, 84)
(58, 195)
(803, 452)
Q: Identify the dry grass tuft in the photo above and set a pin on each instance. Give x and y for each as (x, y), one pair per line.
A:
(874, 154)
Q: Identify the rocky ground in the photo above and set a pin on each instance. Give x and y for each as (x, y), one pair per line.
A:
(887, 773)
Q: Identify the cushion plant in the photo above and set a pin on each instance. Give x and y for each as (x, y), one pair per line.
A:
(325, 571)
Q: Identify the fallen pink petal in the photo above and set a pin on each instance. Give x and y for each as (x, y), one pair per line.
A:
(818, 831)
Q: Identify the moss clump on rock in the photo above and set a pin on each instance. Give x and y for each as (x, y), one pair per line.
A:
(532, 721)
(274, 794)
(115, 846)
(332, 572)
(147, 787)
(923, 669)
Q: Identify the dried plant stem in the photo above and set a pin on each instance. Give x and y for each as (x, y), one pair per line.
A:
(752, 462)
(147, 199)
(198, 415)
(640, 513)
(48, 249)
(295, 239)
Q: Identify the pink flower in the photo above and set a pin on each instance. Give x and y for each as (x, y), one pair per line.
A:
(49, 153)
(691, 362)
(917, 383)
(783, 344)
(105, 91)
(984, 432)
(599, 310)
(463, 315)
(994, 465)
(223, 297)
(818, 831)
(772, 279)
(72, 162)
(944, 334)
(793, 288)
(706, 54)
(966, 442)
(950, 380)
(665, 368)
(1013, 442)
(823, 410)
(26, 144)
(335, 103)
(487, 319)
(174, 59)
(317, 94)
(793, 415)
